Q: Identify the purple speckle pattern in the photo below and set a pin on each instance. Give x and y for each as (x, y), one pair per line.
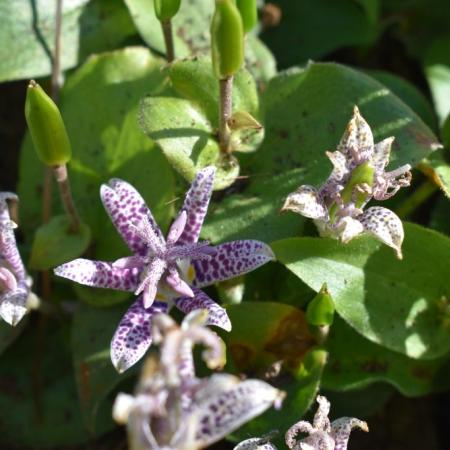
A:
(341, 429)
(133, 335)
(196, 204)
(216, 314)
(99, 274)
(126, 208)
(230, 260)
(226, 410)
(13, 294)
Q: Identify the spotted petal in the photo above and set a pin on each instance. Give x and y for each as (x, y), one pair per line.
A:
(256, 444)
(216, 314)
(99, 274)
(357, 141)
(385, 226)
(128, 211)
(133, 335)
(13, 304)
(229, 404)
(341, 429)
(196, 204)
(230, 260)
(8, 245)
(382, 154)
(306, 201)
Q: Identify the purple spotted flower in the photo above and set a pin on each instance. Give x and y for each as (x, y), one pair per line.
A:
(322, 435)
(163, 272)
(173, 409)
(358, 175)
(15, 284)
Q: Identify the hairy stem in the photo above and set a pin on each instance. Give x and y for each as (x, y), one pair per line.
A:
(419, 196)
(168, 39)
(226, 91)
(62, 178)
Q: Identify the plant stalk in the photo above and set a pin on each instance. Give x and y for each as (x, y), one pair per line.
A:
(419, 196)
(226, 105)
(62, 178)
(168, 39)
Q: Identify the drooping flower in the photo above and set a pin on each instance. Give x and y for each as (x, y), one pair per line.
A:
(322, 435)
(163, 272)
(359, 174)
(173, 408)
(15, 284)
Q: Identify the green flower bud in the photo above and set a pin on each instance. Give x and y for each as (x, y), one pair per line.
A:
(166, 9)
(227, 39)
(47, 128)
(320, 311)
(249, 13)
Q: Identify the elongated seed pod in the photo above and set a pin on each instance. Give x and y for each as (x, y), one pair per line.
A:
(227, 39)
(166, 9)
(46, 126)
(249, 13)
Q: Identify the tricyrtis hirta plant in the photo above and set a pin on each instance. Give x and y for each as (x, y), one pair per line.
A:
(359, 174)
(163, 272)
(15, 284)
(321, 434)
(175, 409)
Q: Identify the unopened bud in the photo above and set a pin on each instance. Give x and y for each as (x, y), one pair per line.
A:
(227, 39)
(362, 179)
(320, 311)
(249, 13)
(166, 9)
(46, 126)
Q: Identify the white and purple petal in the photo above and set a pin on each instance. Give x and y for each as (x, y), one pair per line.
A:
(230, 260)
(385, 225)
(382, 153)
(216, 314)
(196, 204)
(99, 274)
(13, 304)
(341, 429)
(229, 404)
(307, 202)
(133, 335)
(127, 210)
(261, 443)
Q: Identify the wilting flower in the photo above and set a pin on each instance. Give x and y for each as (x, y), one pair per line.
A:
(173, 408)
(163, 272)
(358, 175)
(322, 435)
(15, 284)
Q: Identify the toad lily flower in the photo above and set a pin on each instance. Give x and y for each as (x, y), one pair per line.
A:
(163, 272)
(173, 409)
(358, 175)
(322, 435)
(15, 284)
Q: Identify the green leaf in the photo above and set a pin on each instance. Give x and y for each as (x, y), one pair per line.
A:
(312, 28)
(191, 34)
(276, 332)
(92, 331)
(401, 305)
(9, 334)
(355, 362)
(99, 104)
(186, 128)
(437, 71)
(55, 244)
(27, 34)
(39, 393)
(409, 94)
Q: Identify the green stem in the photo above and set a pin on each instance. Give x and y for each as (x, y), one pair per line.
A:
(168, 39)
(419, 196)
(226, 105)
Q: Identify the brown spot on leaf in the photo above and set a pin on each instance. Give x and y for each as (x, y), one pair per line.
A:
(374, 366)
(84, 386)
(242, 355)
(422, 373)
(291, 339)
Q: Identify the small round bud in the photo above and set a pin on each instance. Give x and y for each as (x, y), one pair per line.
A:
(227, 39)
(166, 9)
(46, 126)
(249, 13)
